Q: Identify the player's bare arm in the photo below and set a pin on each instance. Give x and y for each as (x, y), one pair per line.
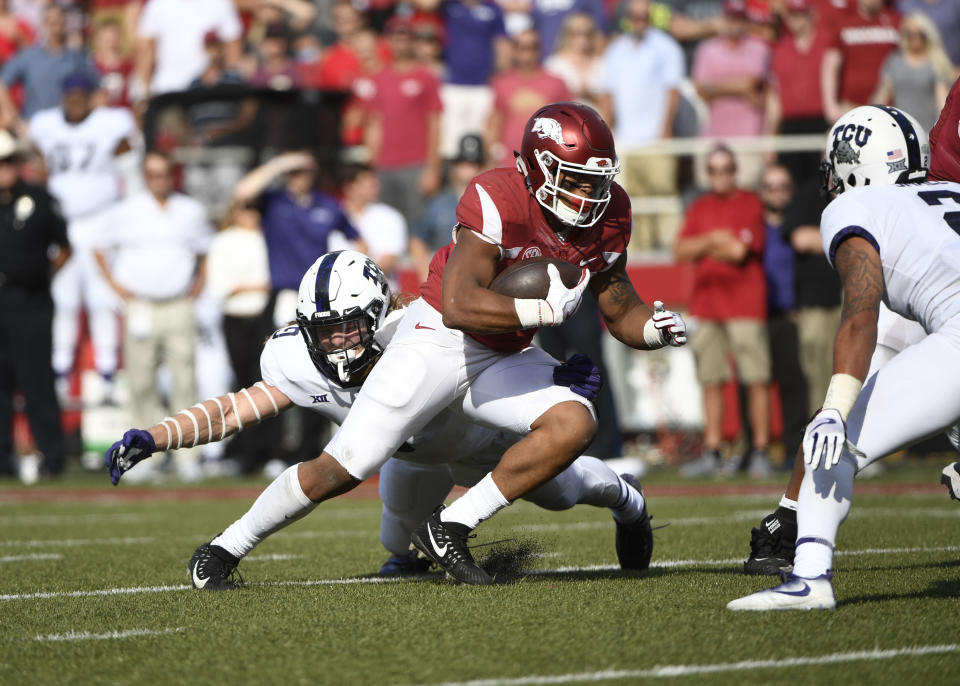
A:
(468, 304)
(861, 279)
(628, 318)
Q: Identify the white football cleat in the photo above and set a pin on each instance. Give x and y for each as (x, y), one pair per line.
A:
(795, 593)
(951, 479)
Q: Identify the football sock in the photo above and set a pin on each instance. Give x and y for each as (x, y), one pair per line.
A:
(281, 503)
(600, 486)
(479, 503)
(824, 503)
(788, 504)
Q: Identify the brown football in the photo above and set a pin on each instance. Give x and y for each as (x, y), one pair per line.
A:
(528, 278)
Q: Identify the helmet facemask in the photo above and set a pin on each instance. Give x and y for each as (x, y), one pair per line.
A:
(341, 346)
(561, 180)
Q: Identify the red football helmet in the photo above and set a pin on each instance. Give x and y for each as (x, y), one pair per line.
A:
(569, 161)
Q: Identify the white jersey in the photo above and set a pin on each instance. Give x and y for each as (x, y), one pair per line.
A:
(915, 230)
(80, 157)
(285, 364)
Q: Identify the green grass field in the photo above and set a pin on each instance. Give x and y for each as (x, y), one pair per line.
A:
(96, 592)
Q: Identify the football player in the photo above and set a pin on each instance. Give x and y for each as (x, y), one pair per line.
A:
(80, 144)
(320, 363)
(772, 544)
(891, 238)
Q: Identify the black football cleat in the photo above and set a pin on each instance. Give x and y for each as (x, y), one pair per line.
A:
(951, 479)
(635, 539)
(772, 546)
(212, 569)
(446, 544)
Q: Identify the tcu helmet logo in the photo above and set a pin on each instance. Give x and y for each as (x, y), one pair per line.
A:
(530, 253)
(858, 133)
(545, 127)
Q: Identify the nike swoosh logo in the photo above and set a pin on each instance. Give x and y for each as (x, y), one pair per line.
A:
(805, 591)
(197, 581)
(585, 262)
(433, 542)
(421, 326)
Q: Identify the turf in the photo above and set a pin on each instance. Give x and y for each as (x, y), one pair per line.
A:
(562, 607)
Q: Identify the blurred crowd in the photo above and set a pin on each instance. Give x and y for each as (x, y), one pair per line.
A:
(187, 227)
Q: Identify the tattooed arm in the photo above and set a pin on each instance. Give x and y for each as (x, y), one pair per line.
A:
(861, 278)
(624, 313)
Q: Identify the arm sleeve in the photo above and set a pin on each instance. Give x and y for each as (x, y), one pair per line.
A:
(478, 212)
(673, 72)
(13, 70)
(691, 224)
(843, 220)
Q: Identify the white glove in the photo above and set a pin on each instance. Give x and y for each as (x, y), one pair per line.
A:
(827, 434)
(564, 301)
(668, 326)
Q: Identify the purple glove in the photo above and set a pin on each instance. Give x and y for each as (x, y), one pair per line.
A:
(581, 375)
(135, 445)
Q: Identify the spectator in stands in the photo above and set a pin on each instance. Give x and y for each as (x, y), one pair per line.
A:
(578, 58)
(113, 64)
(295, 16)
(41, 69)
(517, 94)
(918, 76)
(342, 64)
(275, 68)
(795, 105)
(297, 221)
(428, 45)
(171, 37)
(724, 237)
(477, 48)
(380, 226)
(862, 37)
(643, 69)
(776, 190)
(435, 228)
(817, 290)
(157, 241)
(549, 17)
(15, 33)
(945, 15)
(239, 278)
(403, 129)
(732, 74)
(33, 245)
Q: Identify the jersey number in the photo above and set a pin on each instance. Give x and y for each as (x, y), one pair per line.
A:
(287, 331)
(933, 198)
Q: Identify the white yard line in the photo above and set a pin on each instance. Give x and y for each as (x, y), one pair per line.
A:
(110, 635)
(691, 670)
(72, 542)
(32, 556)
(272, 558)
(661, 564)
(102, 518)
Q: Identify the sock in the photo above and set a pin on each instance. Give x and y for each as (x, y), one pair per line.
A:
(600, 486)
(479, 503)
(630, 507)
(788, 504)
(281, 503)
(823, 504)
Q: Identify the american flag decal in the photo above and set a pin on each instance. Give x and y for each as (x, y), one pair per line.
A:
(893, 154)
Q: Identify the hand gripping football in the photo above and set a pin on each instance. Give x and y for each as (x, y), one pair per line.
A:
(528, 278)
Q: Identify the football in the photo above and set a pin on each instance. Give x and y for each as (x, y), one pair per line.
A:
(528, 278)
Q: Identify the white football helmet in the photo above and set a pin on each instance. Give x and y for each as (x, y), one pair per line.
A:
(343, 300)
(874, 145)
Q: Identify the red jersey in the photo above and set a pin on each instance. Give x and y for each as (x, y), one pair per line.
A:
(404, 100)
(798, 76)
(498, 206)
(945, 140)
(864, 44)
(722, 290)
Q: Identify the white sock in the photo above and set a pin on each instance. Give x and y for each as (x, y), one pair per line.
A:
(479, 503)
(823, 504)
(281, 503)
(600, 486)
(788, 504)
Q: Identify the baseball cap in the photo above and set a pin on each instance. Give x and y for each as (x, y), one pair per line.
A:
(735, 8)
(77, 81)
(798, 5)
(399, 24)
(8, 145)
(470, 149)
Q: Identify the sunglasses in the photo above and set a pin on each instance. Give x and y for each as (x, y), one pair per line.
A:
(783, 187)
(728, 169)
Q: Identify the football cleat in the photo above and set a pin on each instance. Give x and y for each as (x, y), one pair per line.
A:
(635, 539)
(951, 479)
(446, 544)
(772, 545)
(795, 593)
(411, 564)
(212, 569)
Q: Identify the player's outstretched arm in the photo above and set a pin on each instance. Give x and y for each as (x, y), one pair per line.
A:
(861, 280)
(206, 422)
(628, 318)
